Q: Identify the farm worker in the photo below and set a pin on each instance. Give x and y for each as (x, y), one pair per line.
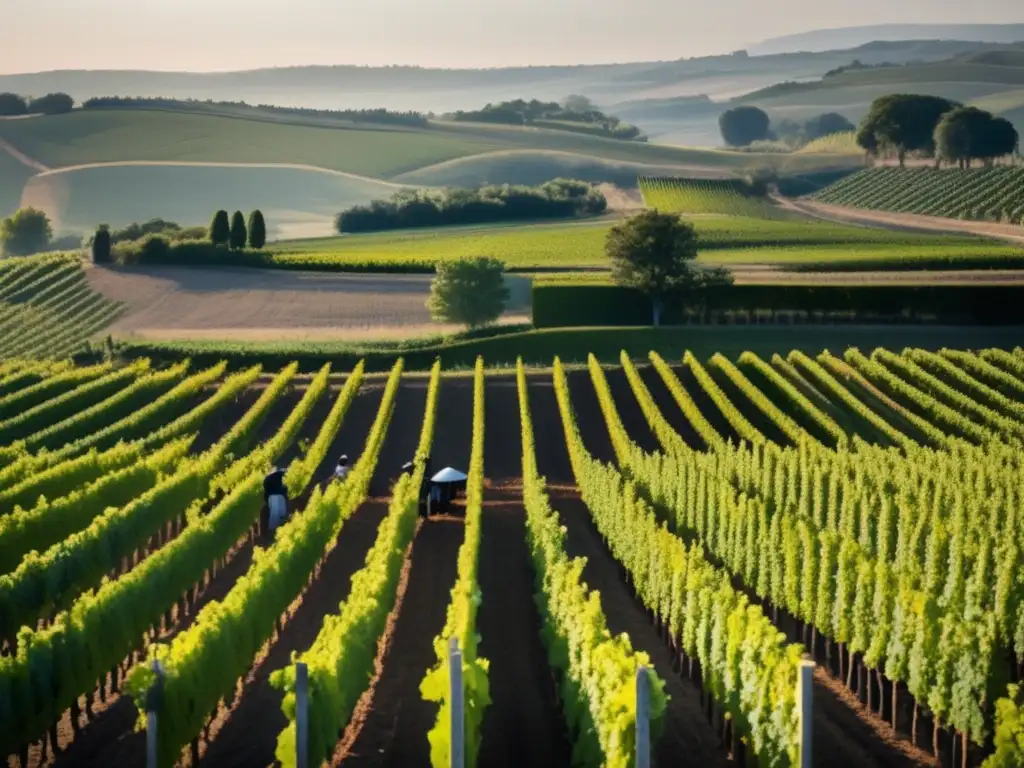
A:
(276, 496)
(341, 470)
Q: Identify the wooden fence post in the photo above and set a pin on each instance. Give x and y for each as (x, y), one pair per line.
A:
(154, 697)
(643, 718)
(805, 707)
(456, 706)
(301, 715)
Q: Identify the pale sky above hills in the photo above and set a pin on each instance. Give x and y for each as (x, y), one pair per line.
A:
(217, 35)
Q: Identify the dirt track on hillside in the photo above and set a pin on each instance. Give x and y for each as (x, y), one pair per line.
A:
(912, 222)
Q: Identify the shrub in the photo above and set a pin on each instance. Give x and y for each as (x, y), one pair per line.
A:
(471, 292)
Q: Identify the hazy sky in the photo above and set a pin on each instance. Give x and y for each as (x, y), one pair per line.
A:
(208, 35)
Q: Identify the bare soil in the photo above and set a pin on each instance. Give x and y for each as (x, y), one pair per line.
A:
(524, 724)
(261, 305)
(391, 723)
(687, 731)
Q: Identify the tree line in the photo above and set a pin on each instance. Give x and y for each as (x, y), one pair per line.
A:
(385, 116)
(157, 239)
(560, 198)
(15, 105)
(935, 127)
(574, 109)
(742, 126)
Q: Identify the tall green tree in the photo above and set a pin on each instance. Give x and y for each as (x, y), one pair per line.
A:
(28, 231)
(257, 230)
(239, 234)
(743, 125)
(52, 104)
(967, 133)
(903, 123)
(469, 291)
(101, 245)
(654, 253)
(220, 228)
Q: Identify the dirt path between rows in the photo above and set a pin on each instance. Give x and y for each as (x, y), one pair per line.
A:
(845, 734)
(908, 222)
(390, 725)
(686, 730)
(524, 725)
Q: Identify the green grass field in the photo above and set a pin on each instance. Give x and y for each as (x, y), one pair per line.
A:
(726, 240)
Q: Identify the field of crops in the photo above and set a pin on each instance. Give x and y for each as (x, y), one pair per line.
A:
(712, 520)
(47, 309)
(981, 194)
(544, 246)
(725, 196)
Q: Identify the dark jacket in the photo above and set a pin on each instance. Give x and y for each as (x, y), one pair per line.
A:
(273, 485)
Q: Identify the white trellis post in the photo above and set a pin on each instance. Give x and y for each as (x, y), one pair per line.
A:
(643, 718)
(153, 699)
(301, 715)
(805, 707)
(456, 706)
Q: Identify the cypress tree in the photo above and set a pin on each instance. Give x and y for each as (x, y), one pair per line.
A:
(257, 230)
(101, 245)
(238, 232)
(220, 228)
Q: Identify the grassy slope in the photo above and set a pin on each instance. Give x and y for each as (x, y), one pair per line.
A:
(108, 136)
(117, 135)
(296, 203)
(13, 176)
(727, 240)
(573, 345)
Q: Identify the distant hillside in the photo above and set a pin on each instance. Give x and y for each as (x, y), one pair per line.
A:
(851, 37)
(448, 90)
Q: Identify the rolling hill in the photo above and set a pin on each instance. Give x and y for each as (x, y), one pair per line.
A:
(122, 165)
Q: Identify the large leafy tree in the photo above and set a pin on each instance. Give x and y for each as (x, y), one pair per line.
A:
(11, 104)
(469, 291)
(654, 253)
(239, 234)
(903, 123)
(257, 230)
(220, 228)
(28, 231)
(743, 125)
(968, 133)
(52, 104)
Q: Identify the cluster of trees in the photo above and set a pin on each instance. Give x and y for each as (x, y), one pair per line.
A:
(172, 230)
(156, 238)
(13, 105)
(799, 133)
(652, 252)
(935, 127)
(560, 198)
(744, 125)
(386, 116)
(575, 109)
